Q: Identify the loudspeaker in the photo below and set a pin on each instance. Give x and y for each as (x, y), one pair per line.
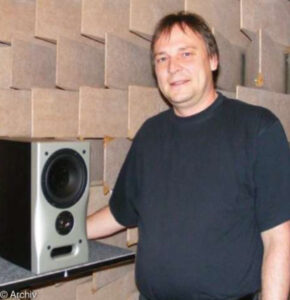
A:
(44, 186)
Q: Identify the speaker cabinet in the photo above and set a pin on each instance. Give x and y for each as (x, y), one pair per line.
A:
(44, 188)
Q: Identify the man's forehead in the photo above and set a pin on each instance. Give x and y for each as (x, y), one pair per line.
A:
(181, 31)
(177, 27)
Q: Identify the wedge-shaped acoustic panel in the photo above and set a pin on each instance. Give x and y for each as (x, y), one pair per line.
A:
(97, 161)
(271, 16)
(109, 275)
(101, 16)
(33, 64)
(17, 18)
(5, 67)
(134, 296)
(287, 57)
(79, 63)
(54, 113)
(115, 151)
(103, 112)
(118, 240)
(277, 103)
(228, 94)
(230, 70)
(132, 236)
(265, 64)
(226, 22)
(144, 15)
(58, 18)
(39, 113)
(97, 199)
(15, 113)
(144, 102)
(119, 289)
(65, 290)
(126, 63)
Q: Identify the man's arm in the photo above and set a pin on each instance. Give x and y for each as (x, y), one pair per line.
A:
(276, 263)
(102, 223)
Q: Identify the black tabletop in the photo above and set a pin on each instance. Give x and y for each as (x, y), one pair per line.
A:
(13, 277)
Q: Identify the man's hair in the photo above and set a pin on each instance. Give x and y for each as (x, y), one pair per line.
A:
(185, 19)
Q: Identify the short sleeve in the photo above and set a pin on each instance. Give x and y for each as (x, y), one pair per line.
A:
(125, 191)
(272, 177)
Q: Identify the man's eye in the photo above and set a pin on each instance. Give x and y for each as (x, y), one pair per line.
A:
(161, 59)
(186, 54)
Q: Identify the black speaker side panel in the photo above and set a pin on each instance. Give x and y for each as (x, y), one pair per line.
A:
(15, 202)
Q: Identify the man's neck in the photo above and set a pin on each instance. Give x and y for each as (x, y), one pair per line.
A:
(199, 107)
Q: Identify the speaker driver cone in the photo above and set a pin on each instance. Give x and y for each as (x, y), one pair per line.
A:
(64, 178)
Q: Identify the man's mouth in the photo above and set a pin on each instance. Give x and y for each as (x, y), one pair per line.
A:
(177, 83)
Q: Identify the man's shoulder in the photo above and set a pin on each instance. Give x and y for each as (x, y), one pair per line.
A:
(151, 129)
(243, 111)
(156, 121)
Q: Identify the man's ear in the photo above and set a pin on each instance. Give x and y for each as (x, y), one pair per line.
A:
(214, 62)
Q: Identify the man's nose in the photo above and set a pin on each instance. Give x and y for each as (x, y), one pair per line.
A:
(174, 65)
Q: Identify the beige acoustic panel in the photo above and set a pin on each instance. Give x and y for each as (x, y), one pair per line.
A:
(115, 151)
(61, 291)
(134, 296)
(97, 199)
(110, 274)
(126, 63)
(119, 289)
(5, 67)
(79, 63)
(288, 71)
(144, 15)
(103, 112)
(144, 102)
(17, 18)
(223, 15)
(279, 104)
(271, 16)
(96, 161)
(33, 65)
(132, 236)
(265, 64)
(58, 18)
(118, 240)
(86, 291)
(228, 94)
(101, 16)
(55, 113)
(15, 113)
(230, 64)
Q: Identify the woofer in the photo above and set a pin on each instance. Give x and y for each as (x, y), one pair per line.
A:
(64, 178)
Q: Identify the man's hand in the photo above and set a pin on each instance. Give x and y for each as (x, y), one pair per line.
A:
(276, 263)
(102, 223)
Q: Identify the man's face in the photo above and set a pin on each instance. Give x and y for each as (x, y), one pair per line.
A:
(184, 70)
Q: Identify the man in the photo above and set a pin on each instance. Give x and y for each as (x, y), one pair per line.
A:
(206, 182)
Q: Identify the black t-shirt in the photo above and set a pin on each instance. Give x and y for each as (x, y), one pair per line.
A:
(201, 189)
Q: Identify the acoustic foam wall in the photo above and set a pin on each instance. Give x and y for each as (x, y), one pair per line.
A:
(103, 112)
(57, 18)
(17, 17)
(265, 63)
(79, 63)
(271, 16)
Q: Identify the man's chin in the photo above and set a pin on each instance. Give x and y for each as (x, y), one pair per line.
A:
(178, 101)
